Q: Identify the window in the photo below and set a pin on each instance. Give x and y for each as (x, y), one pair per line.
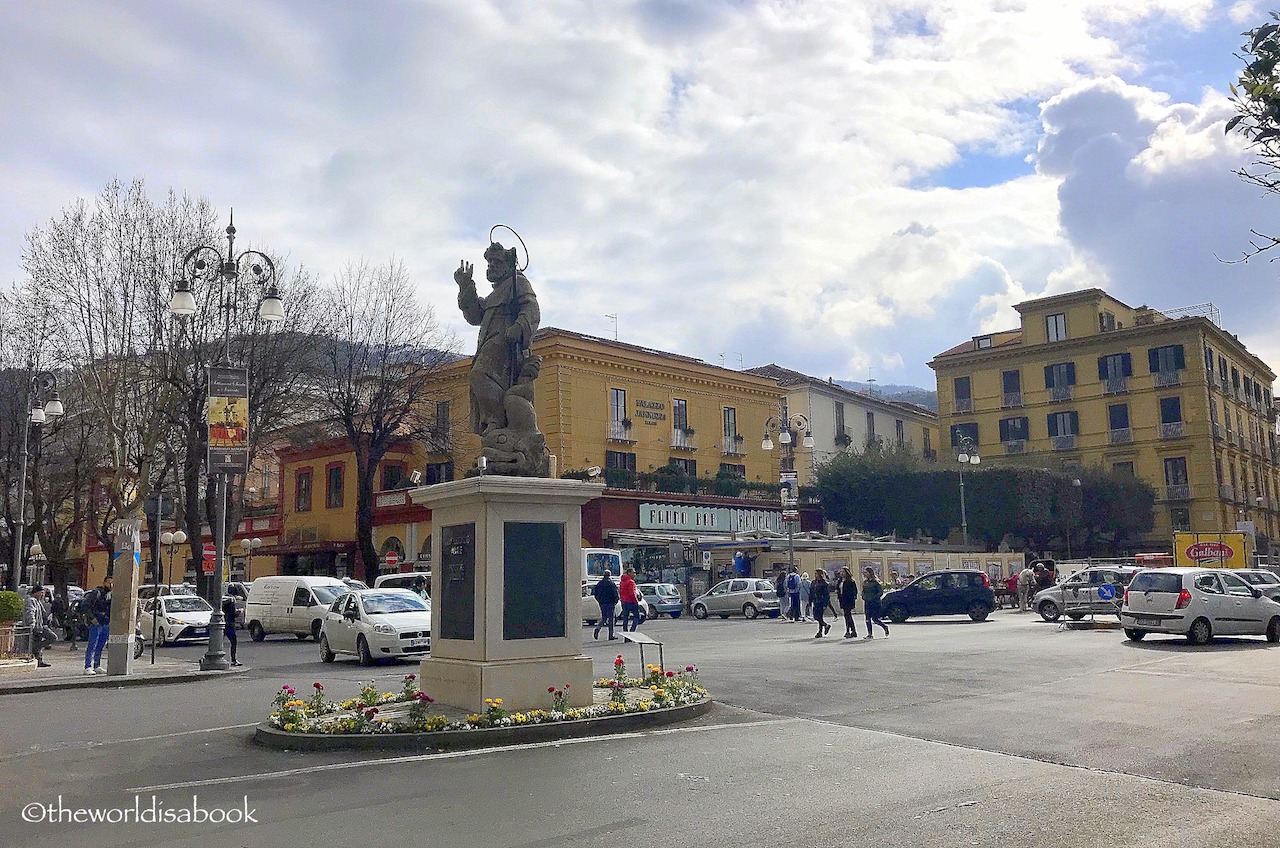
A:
(1055, 327)
(1114, 366)
(1208, 583)
(1235, 380)
(688, 466)
(1236, 586)
(442, 418)
(969, 431)
(439, 472)
(928, 442)
(1226, 415)
(1125, 468)
(1011, 381)
(1175, 471)
(871, 426)
(333, 485)
(620, 459)
(617, 405)
(899, 431)
(301, 597)
(392, 476)
(1208, 361)
(1106, 321)
(680, 413)
(963, 388)
(1170, 410)
(302, 491)
(1162, 360)
(982, 342)
(1060, 375)
(730, 426)
(1180, 518)
(734, 470)
(1064, 424)
(1014, 429)
(840, 429)
(1118, 416)
(1222, 369)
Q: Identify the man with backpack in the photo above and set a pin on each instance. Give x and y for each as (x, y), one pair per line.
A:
(96, 606)
(606, 594)
(793, 592)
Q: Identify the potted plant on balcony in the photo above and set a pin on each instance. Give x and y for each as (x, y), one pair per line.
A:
(844, 440)
(689, 431)
(626, 423)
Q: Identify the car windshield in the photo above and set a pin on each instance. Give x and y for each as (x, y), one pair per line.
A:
(186, 603)
(387, 603)
(666, 590)
(326, 594)
(1156, 581)
(1260, 578)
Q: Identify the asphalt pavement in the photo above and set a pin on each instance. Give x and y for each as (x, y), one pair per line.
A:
(1009, 732)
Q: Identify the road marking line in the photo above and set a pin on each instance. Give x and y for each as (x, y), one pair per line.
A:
(53, 749)
(448, 755)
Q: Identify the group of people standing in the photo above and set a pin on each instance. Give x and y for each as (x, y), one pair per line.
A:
(802, 599)
(95, 606)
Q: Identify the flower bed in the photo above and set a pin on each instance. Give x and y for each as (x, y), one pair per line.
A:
(410, 710)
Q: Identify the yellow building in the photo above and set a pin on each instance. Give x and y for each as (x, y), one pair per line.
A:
(1088, 381)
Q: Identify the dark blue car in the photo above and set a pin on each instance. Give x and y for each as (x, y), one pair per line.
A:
(955, 592)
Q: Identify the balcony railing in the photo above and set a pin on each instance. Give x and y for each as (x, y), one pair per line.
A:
(1173, 430)
(964, 404)
(1058, 393)
(1168, 378)
(1064, 443)
(682, 440)
(1011, 400)
(1115, 385)
(618, 432)
(1015, 446)
(733, 445)
(1122, 435)
(1179, 492)
(1226, 492)
(1214, 380)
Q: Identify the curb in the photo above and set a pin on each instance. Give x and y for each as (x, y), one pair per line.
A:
(111, 682)
(462, 740)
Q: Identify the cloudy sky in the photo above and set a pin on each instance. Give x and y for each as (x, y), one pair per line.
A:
(845, 187)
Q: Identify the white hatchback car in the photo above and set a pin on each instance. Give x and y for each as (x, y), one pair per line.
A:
(376, 624)
(178, 617)
(1198, 603)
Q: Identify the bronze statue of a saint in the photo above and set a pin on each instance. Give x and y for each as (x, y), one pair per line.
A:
(504, 368)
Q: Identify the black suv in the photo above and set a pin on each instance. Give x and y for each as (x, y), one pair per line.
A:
(956, 592)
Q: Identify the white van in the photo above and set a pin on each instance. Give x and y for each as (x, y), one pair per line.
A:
(294, 605)
(594, 563)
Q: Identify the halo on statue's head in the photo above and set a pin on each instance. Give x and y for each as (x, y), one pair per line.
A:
(520, 268)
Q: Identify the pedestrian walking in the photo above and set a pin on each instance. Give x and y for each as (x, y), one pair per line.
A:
(848, 594)
(229, 612)
(872, 591)
(1026, 581)
(606, 594)
(780, 587)
(806, 602)
(96, 605)
(630, 599)
(793, 593)
(36, 619)
(820, 598)
(71, 624)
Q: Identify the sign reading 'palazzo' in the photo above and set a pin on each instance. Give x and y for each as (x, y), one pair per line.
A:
(708, 519)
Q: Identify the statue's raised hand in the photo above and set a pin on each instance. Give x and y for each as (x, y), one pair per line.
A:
(462, 276)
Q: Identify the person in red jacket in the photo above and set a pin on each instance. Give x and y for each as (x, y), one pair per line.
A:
(630, 600)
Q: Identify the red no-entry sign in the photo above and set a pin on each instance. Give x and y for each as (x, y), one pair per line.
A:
(210, 559)
(392, 559)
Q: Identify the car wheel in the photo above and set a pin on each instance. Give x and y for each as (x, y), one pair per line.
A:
(315, 630)
(1201, 632)
(699, 611)
(897, 613)
(256, 633)
(1134, 635)
(750, 611)
(362, 651)
(1075, 616)
(1273, 630)
(1049, 611)
(979, 612)
(326, 655)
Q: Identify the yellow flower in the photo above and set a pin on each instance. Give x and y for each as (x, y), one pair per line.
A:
(488, 700)
(497, 700)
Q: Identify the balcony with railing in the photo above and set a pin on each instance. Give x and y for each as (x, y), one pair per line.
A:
(964, 404)
(683, 440)
(1226, 492)
(1115, 385)
(1011, 400)
(1178, 492)
(1015, 446)
(1122, 435)
(1063, 443)
(733, 445)
(619, 431)
(1060, 393)
(1215, 382)
(1173, 429)
(1231, 437)
(1164, 379)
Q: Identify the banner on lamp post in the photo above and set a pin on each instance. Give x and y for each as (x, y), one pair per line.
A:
(228, 419)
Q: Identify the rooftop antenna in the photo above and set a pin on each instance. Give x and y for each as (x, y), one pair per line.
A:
(614, 316)
(742, 366)
(871, 385)
(722, 360)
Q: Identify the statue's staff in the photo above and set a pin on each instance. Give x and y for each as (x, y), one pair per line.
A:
(514, 350)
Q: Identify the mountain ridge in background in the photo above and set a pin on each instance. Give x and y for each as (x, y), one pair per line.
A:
(928, 398)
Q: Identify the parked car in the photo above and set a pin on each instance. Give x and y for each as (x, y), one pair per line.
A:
(951, 592)
(1198, 603)
(290, 604)
(1078, 594)
(1259, 577)
(352, 583)
(746, 595)
(176, 618)
(376, 624)
(661, 598)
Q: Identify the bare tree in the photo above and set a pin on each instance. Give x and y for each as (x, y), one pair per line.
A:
(381, 355)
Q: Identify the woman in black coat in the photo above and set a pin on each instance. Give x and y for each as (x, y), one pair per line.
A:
(820, 596)
(848, 589)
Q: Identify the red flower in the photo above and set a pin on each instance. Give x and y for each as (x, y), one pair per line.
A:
(411, 677)
(551, 689)
(618, 661)
(319, 686)
(430, 700)
(566, 686)
(688, 668)
(671, 674)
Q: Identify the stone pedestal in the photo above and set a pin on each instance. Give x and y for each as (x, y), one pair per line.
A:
(506, 591)
(124, 597)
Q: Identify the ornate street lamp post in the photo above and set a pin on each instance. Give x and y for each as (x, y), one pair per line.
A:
(786, 426)
(228, 450)
(41, 384)
(968, 455)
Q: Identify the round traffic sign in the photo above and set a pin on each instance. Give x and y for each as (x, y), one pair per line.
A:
(1106, 591)
(391, 558)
